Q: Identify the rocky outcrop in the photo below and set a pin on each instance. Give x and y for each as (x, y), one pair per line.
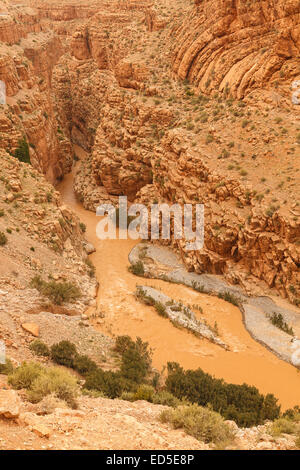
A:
(234, 47)
(245, 239)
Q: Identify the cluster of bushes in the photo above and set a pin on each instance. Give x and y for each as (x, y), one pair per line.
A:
(277, 320)
(229, 297)
(57, 292)
(240, 403)
(135, 369)
(40, 381)
(134, 380)
(65, 354)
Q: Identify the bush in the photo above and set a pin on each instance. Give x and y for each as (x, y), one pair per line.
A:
(25, 375)
(229, 297)
(84, 365)
(3, 239)
(137, 269)
(40, 382)
(283, 426)
(161, 309)
(39, 348)
(54, 381)
(277, 320)
(292, 414)
(128, 396)
(64, 353)
(6, 368)
(112, 384)
(22, 152)
(240, 403)
(136, 358)
(133, 366)
(144, 392)
(82, 227)
(57, 292)
(166, 398)
(123, 343)
(201, 423)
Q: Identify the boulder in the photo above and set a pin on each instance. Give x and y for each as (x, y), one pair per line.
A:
(32, 328)
(9, 404)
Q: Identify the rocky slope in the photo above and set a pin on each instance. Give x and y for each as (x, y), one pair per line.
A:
(105, 424)
(39, 237)
(238, 46)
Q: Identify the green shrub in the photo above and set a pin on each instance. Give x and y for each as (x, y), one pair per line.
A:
(41, 381)
(82, 227)
(3, 239)
(136, 358)
(277, 320)
(229, 297)
(54, 381)
(201, 423)
(128, 396)
(6, 368)
(283, 426)
(22, 152)
(24, 375)
(39, 348)
(84, 365)
(166, 398)
(112, 384)
(292, 413)
(240, 403)
(64, 353)
(91, 267)
(123, 343)
(161, 309)
(144, 392)
(57, 292)
(136, 362)
(137, 269)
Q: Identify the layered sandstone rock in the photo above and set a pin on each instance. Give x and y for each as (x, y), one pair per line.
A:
(239, 236)
(237, 46)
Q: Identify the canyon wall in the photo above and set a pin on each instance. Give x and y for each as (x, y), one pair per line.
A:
(238, 45)
(123, 80)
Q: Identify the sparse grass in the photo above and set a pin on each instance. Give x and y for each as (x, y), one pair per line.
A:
(137, 269)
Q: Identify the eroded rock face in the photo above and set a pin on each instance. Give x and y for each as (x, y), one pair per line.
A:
(264, 245)
(237, 46)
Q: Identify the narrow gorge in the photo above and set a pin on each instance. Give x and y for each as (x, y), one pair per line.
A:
(165, 102)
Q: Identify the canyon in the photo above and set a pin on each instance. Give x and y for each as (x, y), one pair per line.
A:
(164, 102)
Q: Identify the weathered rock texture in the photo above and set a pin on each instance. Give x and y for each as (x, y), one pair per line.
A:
(238, 45)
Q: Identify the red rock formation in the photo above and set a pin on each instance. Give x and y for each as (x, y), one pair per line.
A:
(238, 45)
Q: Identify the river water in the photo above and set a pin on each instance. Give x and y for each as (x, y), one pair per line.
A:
(247, 362)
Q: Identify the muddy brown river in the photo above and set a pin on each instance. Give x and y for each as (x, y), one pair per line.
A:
(247, 361)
